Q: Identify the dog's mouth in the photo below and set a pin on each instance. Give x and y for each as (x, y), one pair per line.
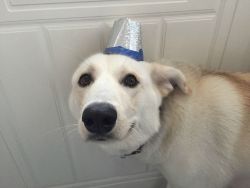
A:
(109, 137)
(100, 137)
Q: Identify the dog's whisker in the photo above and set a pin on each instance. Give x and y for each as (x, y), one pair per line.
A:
(69, 133)
(59, 129)
(74, 124)
(134, 130)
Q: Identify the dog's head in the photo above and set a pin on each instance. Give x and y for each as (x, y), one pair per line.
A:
(117, 99)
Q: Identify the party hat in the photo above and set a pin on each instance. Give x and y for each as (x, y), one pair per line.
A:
(125, 39)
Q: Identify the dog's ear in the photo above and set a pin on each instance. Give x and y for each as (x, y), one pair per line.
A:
(168, 78)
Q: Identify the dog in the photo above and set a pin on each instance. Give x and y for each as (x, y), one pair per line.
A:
(192, 124)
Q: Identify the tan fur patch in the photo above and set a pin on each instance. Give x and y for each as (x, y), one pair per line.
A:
(242, 84)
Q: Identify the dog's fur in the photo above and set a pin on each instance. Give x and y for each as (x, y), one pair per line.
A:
(194, 124)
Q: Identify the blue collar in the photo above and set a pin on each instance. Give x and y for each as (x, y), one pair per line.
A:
(137, 151)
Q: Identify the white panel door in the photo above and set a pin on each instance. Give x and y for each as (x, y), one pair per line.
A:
(29, 95)
(41, 44)
(237, 51)
(9, 173)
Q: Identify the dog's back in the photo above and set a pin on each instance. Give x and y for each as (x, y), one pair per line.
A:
(241, 81)
(213, 125)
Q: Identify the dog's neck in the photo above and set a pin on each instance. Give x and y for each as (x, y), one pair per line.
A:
(149, 151)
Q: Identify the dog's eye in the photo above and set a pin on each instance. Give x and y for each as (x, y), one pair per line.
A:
(130, 81)
(85, 80)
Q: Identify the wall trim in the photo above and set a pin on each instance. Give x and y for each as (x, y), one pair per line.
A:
(116, 182)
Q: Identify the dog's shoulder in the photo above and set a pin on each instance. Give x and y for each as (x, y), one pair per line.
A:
(241, 85)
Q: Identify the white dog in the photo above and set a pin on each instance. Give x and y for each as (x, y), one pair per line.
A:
(195, 125)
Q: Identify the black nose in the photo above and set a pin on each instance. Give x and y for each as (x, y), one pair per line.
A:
(99, 118)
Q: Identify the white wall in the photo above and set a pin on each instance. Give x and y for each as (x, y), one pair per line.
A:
(42, 42)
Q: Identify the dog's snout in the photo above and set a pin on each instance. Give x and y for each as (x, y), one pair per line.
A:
(99, 118)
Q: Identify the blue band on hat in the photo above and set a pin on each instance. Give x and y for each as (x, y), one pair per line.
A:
(124, 51)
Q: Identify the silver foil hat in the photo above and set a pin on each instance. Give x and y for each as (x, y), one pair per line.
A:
(125, 39)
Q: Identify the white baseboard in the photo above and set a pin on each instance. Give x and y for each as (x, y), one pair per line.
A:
(145, 180)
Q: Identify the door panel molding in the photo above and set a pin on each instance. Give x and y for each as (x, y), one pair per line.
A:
(28, 10)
